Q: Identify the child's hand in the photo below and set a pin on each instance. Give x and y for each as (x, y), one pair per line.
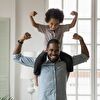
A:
(77, 37)
(33, 13)
(74, 13)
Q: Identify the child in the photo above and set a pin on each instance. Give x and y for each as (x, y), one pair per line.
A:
(53, 18)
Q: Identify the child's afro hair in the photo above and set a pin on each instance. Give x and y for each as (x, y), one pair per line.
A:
(54, 13)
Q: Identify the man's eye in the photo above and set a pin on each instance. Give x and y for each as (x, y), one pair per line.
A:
(57, 50)
(51, 49)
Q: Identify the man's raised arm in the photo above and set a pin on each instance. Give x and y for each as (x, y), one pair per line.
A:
(20, 42)
(18, 57)
(84, 49)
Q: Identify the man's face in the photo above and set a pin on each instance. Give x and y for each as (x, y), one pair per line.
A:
(53, 52)
(53, 24)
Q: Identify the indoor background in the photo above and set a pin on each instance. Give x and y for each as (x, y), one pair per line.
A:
(84, 82)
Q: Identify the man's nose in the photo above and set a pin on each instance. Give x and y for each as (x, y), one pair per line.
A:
(53, 52)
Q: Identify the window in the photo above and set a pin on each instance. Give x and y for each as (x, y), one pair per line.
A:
(84, 82)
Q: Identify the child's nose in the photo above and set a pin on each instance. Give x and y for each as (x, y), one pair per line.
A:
(53, 27)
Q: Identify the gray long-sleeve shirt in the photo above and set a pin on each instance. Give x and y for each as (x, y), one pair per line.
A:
(53, 77)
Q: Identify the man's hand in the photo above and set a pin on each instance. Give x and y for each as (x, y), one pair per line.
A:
(77, 37)
(25, 36)
(33, 13)
(74, 13)
(84, 49)
(20, 42)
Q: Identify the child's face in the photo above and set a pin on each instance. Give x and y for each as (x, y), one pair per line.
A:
(53, 24)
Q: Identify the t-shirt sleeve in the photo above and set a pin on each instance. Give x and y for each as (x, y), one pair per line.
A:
(65, 28)
(27, 61)
(78, 59)
(42, 28)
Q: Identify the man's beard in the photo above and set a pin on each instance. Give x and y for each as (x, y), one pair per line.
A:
(53, 60)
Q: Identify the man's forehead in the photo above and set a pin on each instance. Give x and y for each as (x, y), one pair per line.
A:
(54, 45)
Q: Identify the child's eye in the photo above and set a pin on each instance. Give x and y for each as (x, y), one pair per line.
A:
(51, 23)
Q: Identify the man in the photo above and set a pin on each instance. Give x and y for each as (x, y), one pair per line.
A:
(54, 74)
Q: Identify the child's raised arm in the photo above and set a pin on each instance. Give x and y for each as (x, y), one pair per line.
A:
(72, 24)
(31, 15)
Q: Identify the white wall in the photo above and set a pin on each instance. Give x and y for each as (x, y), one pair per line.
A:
(23, 23)
(23, 7)
(17, 11)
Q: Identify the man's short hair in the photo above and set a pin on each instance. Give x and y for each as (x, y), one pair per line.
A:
(53, 41)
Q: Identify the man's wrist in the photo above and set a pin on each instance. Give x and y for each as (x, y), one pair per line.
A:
(31, 16)
(80, 39)
(20, 41)
(76, 15)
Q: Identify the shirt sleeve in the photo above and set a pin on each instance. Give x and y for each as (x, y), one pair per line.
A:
(27, 61)
(78, 59)
(42, 28)
(65, 28)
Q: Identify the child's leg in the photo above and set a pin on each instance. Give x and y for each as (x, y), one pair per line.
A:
(36, 80)
(68, 60)
(38, 62)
